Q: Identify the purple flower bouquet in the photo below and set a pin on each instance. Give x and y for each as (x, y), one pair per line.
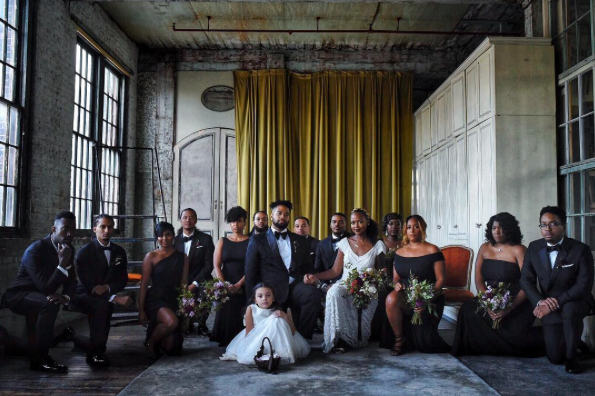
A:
(494, 299)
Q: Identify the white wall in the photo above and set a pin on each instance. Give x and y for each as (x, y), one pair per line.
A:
(191, 115)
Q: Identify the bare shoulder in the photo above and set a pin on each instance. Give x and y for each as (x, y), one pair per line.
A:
(431, 248)
(519, 249)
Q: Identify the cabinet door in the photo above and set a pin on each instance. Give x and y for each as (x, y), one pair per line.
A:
(461, 217)
(426, 133)
(487, 173)
(434, 195)
(418, 136)
(435, 123)
(459, 122)
(447, 128)
(471, 97)
(451, 195)
(415, 188)
(442, 199)
(473, 169)
(441, 119)
(484, 85)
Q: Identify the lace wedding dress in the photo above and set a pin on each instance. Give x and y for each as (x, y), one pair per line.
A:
(341, 318)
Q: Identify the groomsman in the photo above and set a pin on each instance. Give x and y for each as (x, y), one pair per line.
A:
(326, 252)
(557, 277)
(301, 226)
(102, 268)
(46, 266)
(260, 223)
(199, 248)
(281, 259)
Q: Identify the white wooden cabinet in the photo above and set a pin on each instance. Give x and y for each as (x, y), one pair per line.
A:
(494, 136)
(418, 136)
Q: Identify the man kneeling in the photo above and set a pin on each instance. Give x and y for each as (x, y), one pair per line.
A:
(102, 270)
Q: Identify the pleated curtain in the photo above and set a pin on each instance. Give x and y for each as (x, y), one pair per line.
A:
(329, 141)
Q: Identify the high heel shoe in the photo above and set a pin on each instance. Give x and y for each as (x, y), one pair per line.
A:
(150, 351)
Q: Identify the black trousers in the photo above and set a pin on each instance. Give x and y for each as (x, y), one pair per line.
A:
(40, 317)
(562, 338)
(99, 314)
(305, 304)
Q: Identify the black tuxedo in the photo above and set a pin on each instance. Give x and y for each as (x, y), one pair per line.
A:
(326, 256)
(200, 257)
(94, 270)
(313, 247)
(38, 277)
(265, 264)
(570, 282)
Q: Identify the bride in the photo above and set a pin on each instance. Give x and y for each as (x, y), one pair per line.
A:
(362, 250)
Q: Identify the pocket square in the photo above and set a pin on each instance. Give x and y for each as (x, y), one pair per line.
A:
(198, 247)
(118, 261)
(567, 265)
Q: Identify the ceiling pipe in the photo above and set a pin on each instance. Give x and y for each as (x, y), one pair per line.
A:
(370, 30)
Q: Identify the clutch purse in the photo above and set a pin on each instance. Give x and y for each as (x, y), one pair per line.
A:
(267, 363)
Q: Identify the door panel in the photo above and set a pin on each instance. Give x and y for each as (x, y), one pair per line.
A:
(471, 80)
(484, 79)
(459, 122)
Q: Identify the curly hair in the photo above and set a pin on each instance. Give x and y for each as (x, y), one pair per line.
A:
(556, 211)
(388, 217)
(235, 214)
(422, 224)
(372, 228)
(283, 202)
(510, 227)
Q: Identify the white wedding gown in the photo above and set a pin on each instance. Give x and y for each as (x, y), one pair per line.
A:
(341, 320)
(289, 346)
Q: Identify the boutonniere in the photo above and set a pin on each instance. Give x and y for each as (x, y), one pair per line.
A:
(119, 260)
(296, 246)
(197, 244)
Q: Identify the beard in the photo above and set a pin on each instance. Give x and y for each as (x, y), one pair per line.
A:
(260, 229)
(280, 226)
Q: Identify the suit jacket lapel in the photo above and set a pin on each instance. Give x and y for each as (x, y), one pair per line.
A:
(179, 242)
(562, 254)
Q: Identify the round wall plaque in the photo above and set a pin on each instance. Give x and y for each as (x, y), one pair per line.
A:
(218, 98)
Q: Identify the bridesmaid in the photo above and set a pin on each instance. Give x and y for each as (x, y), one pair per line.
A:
(167, 269)
(500, 259)
(426, 262)
(392, 226)
(230, 254)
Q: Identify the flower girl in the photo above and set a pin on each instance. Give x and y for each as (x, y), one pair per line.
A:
(264, 319)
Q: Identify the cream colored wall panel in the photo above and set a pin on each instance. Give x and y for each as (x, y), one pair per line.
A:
(426, 132)
(471, 95)
(459, 120)
(485, 78)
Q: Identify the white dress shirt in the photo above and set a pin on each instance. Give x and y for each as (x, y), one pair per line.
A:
(187, 244)
(284, 246)
(554, 254)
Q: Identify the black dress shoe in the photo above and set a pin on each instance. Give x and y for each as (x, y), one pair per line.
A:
(203, 331)
(97, 360)
(48, 365)
(573, 366)
(67, 335)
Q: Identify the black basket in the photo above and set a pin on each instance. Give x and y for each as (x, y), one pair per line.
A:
(270, 365)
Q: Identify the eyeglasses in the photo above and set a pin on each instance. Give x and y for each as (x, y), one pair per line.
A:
(551, 225)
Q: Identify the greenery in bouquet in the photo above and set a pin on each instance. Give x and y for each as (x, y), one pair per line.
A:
(188, 307)
(494, 299)
(419, 295)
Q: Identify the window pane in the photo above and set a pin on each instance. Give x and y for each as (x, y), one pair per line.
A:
(582, 7)
(11, 47)
(590, 232)
(590, 191)
(560, 55)
(2, 206)
(570, 12)
(573, 110)
(10, 207)
(13, 13)
(584, 38)
(571, 45)
(575, 193)
(3, 122)
(558, 16)
(2, 39)
(587, 92)
(2, 155)
(588, 137)
(561, 105)
(9, 83)
(574, 142)
(574, 227)
(14, 126)
(13, 162)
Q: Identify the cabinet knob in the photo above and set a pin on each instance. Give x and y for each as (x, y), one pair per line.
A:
(456, 226)
(439, 226)
(478, 225)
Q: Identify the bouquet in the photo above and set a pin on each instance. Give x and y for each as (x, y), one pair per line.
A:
(494, 299)
(419, 295)
(363, 286)
(188, 307)
(215, 293)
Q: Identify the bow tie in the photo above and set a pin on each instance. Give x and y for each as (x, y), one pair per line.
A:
(280, 234)
(555, 248)
(186, 239)
(104, 248)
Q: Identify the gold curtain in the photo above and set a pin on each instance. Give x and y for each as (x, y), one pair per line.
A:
(350, 138)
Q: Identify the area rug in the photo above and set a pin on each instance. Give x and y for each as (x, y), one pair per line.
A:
(367, 371)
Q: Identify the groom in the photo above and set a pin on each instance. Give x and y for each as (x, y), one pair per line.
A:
(281, 259)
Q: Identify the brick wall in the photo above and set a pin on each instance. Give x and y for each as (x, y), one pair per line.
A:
(53, 41)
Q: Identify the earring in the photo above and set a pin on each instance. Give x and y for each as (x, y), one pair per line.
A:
(386, 233)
